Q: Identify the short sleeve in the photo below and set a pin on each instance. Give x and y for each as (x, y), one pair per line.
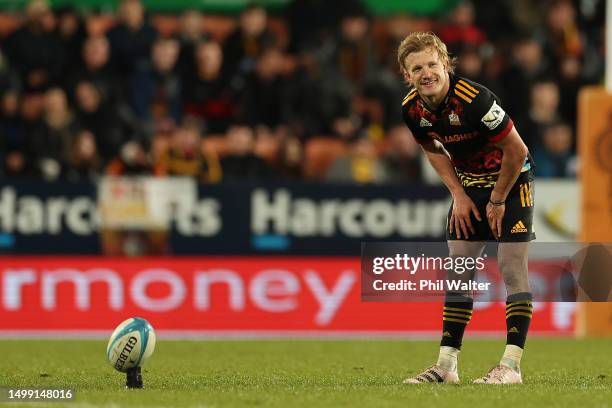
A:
(493, 121)
(419, 135)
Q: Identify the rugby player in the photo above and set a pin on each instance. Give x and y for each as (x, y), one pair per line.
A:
(477, 152)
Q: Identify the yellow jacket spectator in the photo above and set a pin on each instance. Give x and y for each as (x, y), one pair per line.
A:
(185, 157)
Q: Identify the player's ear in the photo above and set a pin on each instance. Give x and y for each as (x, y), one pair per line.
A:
(446, 66)
(407, 78)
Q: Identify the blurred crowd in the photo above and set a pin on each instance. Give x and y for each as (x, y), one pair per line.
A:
(312, 94)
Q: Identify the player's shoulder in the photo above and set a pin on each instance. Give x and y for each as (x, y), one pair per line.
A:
(410, 110)
(470, 91)
(477, 98)
(484, 105)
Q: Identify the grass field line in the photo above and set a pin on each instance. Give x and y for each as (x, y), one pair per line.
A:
(263, 335)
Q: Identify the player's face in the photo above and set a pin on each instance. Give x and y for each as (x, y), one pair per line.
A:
(427, 72)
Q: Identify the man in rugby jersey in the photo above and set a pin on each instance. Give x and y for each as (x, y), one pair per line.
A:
(477, 152)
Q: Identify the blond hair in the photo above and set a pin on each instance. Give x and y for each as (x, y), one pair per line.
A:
(419, 41)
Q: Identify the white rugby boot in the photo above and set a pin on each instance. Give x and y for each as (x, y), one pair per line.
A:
(500, 374)
(434, 374)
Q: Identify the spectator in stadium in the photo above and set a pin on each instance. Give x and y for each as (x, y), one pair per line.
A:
(314, 98)
(350, 64)
(207, 94)
(525, 68)
(554, 157)
(96, 68)
(15, 164)
(390, 89)
(268, 141)
(71, 33)
(31, 111)
(241, 162)
(50, 145)
(526, 16)
(264, 99)
(13, 141)
(461, 30)
(471, 65)
(133, 160)
(307, 21)
(373, 115)
(402, 160)
(543, 111)
(313, 22)
(491, 15)
(290, 159)
(155, 88)
(561, 36)
(354, 54)
(132, 38)
(570, 81)
(590, 17)
(83, 160)
(396, 27)
(11, 127)
(361, 165)
(355, 65)
(35, 50)
(191, 33)
(185, 156)
(9, 78)
(247, 42)
(110, 128)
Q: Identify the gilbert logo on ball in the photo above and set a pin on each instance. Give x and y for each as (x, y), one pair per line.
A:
(132, 342)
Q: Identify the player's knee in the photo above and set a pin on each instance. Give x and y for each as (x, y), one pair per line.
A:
(511, 280)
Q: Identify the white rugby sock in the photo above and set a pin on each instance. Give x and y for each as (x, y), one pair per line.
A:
(512, 357)
(447, 359)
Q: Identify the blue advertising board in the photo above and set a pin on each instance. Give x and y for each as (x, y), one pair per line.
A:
(307, 219)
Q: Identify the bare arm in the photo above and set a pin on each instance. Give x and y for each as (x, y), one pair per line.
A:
(463, 206)
(515, 152)
(441, 162)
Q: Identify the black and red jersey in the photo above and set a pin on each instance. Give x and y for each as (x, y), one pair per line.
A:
(468, 123)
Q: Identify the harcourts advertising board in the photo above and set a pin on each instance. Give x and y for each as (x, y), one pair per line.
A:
(48, 218)
(223, 219)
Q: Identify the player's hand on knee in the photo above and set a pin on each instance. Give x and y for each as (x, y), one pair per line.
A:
(495, 216)
(461, 221)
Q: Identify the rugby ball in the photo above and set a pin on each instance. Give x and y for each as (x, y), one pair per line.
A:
(131, 344)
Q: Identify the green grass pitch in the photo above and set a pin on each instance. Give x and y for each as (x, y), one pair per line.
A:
(313, 373)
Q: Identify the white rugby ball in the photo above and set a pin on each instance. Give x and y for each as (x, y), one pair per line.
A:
(131, 344)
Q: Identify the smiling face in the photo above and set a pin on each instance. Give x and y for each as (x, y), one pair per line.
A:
(426, 71)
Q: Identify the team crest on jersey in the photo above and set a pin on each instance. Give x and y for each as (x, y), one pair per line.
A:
(494, 116)
(424, 123)
(454, 119)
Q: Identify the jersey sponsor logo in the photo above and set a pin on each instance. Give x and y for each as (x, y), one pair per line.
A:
(424, 123)
(518, 228)
(453, 138)
(453, 118)
(494, 116)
